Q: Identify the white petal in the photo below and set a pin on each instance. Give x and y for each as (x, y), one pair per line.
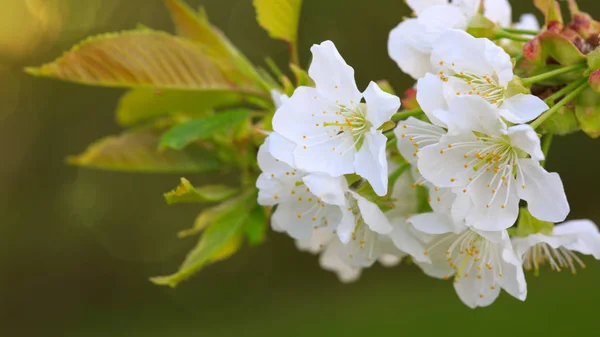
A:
(285, 218)
(370, 161)
(434, 223)
(414, 134)
(463, 51)
(278, 178)
(544, 192)
(528, 22)
(389, 260)
(346, 226)
(282, 148)
(473, 113)
(331, 190)
(522, 108)
(585, 232)
(499, 11)
(576, 227)
(525, 138)
(461, 207)
(418, 6)
(406, 240)
(278, 98)
(477, 292)
(300, 119)
(440, 18)
(469, 7)
(332, 260)
(335, 157)
(381, 106)
(430, 95)
(410, 53)
(495, 205)
(438, 265)
(320, 238)
(372, 215)
(332, 75)
(500, 61)
(522, 244)
(303, 212)
(513, 278)
(443, 164)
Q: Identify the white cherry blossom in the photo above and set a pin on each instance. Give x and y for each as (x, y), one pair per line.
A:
(333, 132)
(558, 248)
(462, 65)
(411, 42)
(299, 211)
(348, 260)
(412, 135)
(495, 166)
(481, 262)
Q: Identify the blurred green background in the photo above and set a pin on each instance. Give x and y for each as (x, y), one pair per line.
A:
(77, 246)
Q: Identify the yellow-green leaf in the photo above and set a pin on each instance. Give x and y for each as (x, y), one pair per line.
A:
(215, 244)
(196, 27)
(187, 193)
(143, 58)
(141, 105)
(137, 151)
(208, 215)
(279, 18)
(201, 128)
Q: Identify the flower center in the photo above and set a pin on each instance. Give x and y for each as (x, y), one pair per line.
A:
(352, 121)
(493, 159)
(469, 255)
(557, 258)
(485, 86)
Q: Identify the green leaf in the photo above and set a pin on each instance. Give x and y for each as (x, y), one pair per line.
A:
(279, 18)
(187, 193)
(196, 27)
(562, 122)
(256, 226)
(140, 59)
(561, 49)
(587, 112)
(201, 128)
(141, 105)
(208, 215)
(218, 242)
(137, 151)
(528, 225)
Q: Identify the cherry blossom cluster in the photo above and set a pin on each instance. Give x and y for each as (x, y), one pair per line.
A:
(346, 177)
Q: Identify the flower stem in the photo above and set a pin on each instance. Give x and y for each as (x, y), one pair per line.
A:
(536, 123)
(550, 74)
(521, 31)
(405, 114)
(504, 34)
(294, 53)
(395, 175)
(546, 141)
(568, 88)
